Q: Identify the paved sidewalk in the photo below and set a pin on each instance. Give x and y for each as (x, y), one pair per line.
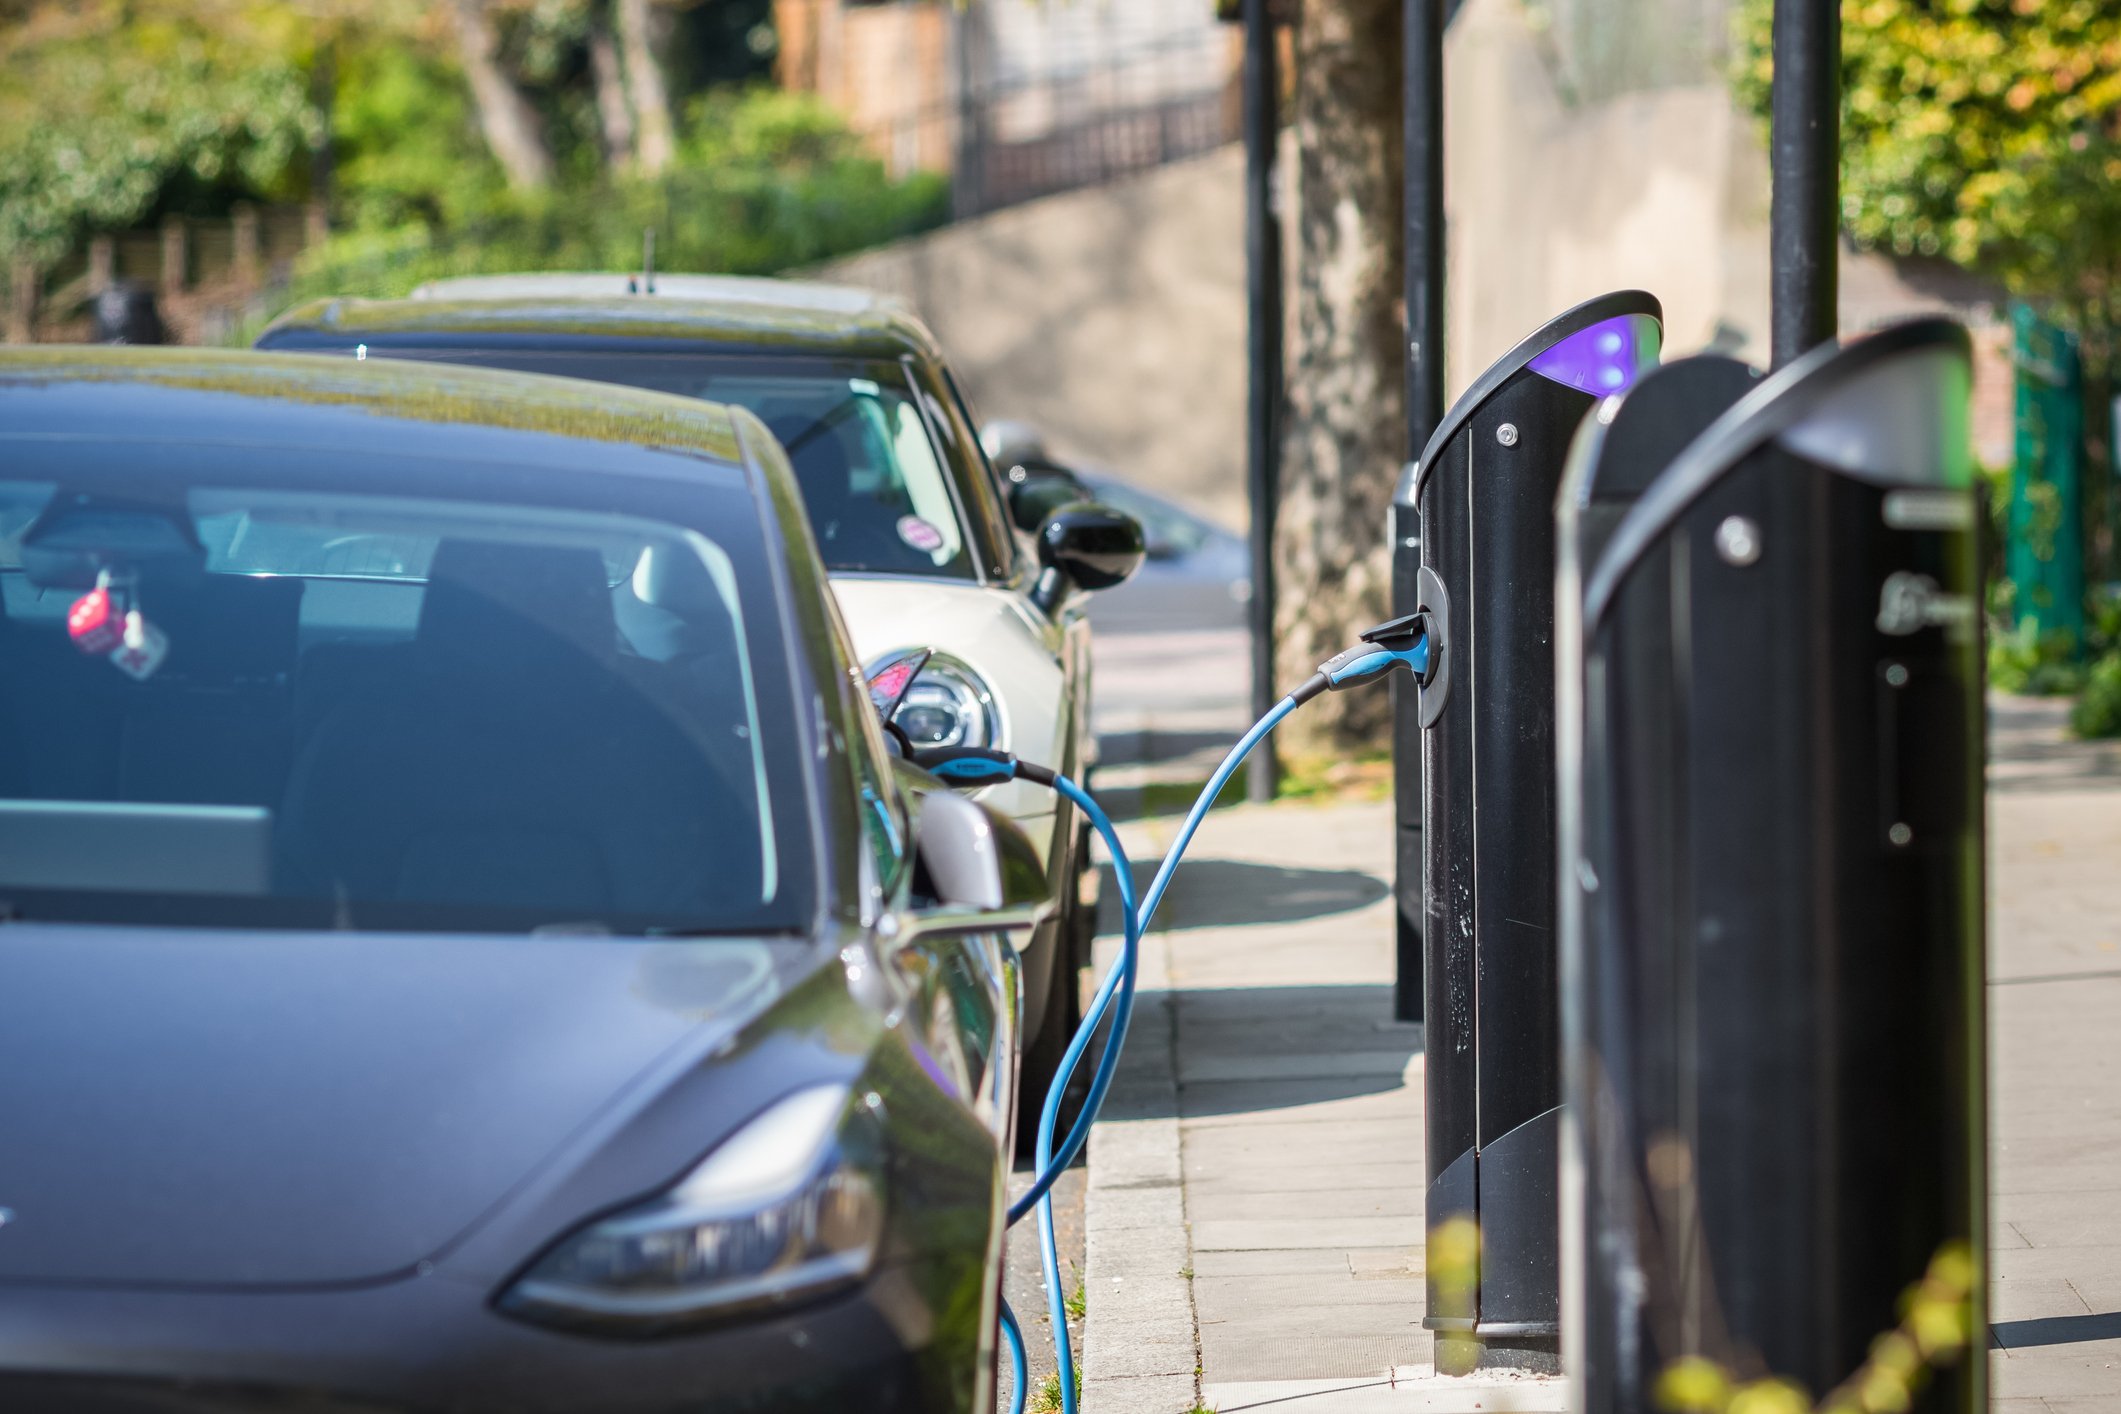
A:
(1255, 1228)
(1254, 1209)
(2054, 1066)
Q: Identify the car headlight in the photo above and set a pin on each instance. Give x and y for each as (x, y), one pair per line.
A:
(787, 1209)
(948, 705)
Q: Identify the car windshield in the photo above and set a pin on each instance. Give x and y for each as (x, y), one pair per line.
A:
(873, 481)
(227, 703)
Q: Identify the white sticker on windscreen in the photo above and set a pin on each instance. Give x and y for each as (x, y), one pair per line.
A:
(920, 534)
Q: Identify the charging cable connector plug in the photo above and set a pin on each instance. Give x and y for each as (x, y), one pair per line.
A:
(975, 766)
(1397, 643)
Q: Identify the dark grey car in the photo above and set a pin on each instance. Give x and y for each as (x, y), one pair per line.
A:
(465, 943)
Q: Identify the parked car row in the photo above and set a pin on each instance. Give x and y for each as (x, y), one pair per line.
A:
(469, 939)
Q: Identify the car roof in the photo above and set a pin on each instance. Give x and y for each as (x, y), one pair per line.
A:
(739, 289)
(586, 311)
(380, 406)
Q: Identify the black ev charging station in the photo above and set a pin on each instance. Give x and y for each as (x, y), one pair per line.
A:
(1484, 488)
(1771, 717)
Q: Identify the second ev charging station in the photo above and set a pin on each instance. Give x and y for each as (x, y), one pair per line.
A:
(1484, 488)
(1771, 720)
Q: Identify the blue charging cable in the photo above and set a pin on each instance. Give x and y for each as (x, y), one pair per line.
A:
(1401, 643)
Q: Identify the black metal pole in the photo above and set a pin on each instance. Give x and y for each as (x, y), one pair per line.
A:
(1425, 236)
(1263, 291)
(1805, 155)
(1424, 300)
(968, 196)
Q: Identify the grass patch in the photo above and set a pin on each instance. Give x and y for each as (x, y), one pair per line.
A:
(1047, 1398)
(1177, 797)
(1329, 779)
(1078, 1303)
(1336, 778)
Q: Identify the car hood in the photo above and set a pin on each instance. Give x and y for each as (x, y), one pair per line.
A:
(202, 1108)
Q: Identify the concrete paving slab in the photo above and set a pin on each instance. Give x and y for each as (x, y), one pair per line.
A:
(1256, 1350)
(2088, 1373)
(1325, 1200)
(1222, 1298)
(2031, 1298)
(1300, 1177)
(1141, 1394)
(1279, 1262)
(1245, 1063)
(1222, 1152)
(1259, 1102)
(1262, 1234)
(1432, 1395)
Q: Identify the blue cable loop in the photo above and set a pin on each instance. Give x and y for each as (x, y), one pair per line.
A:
(1363, 664)
(1121, 978)
(1013, 1337)
(1051, 1163)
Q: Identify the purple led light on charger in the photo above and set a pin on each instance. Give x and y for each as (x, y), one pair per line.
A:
(1604, 359)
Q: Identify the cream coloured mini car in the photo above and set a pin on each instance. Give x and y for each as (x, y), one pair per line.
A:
(927, 547)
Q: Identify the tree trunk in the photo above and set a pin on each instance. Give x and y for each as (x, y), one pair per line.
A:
(614, 112)
(512, 127)
(655, 142)
(1344, 440)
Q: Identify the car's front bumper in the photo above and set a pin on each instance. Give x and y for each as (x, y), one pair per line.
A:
(429, 1344)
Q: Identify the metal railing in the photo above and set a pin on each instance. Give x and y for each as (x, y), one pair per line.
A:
(1011, 138)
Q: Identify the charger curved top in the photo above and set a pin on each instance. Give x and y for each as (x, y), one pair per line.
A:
(1868, 409)
(1546, 336)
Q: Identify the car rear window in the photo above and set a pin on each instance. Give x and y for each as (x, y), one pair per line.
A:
(245, 702)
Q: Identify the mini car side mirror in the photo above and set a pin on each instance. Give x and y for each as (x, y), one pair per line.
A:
(1087, 545)
(1037, 491)
(977, 867)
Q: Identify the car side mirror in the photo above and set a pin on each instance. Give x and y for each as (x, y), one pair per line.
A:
(1036, 491)
(976, 867)
(1087, 545)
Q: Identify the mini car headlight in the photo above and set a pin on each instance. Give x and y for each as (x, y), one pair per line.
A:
(787, 1209)
(948, 705)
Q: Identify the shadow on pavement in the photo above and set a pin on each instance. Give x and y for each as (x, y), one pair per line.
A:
(1253, 1050)
(1216, 893)
(2057, 1330)
(1153, 747)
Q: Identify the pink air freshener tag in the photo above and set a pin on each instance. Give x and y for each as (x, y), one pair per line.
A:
(141, 649)
(920, 534)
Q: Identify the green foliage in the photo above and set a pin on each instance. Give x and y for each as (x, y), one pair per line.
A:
(766, 181)
(112, 111)
(407, 141)
(2035, 664)
(104, 107)
(2097, 712)
(1984, 131)
(2050, 665)
(1046, 1399)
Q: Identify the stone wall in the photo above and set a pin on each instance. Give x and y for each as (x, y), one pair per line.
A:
(1115, 318)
